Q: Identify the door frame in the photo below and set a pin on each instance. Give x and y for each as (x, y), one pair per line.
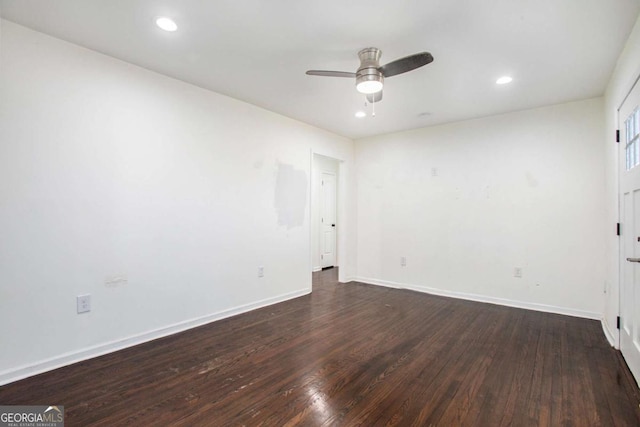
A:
(341, 213)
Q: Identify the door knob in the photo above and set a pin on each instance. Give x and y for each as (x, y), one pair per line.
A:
(333, 225)
(633, 259)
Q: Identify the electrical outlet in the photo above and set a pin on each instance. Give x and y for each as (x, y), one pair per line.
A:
(517, 272)
(261, 271)
(403, 261)
(83, 303)
(434, 171)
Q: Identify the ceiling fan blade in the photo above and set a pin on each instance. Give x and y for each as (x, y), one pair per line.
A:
(374, 97)
(331, 73)
(405, 64)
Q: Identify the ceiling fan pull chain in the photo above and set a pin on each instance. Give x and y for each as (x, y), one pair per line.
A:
(373, 107)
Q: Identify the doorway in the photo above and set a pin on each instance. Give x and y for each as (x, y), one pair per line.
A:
(324, 212)
(629, 166)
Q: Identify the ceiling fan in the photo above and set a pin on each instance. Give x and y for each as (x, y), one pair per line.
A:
(370, 74)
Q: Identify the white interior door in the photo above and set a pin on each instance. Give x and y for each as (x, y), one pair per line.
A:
(328, 220)
(629, 116)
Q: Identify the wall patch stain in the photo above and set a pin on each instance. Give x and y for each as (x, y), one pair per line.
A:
(290, 195)
(531, 180)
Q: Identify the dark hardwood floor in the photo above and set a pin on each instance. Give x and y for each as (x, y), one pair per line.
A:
(350, 355)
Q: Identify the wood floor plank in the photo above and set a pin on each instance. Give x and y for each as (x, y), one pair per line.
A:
(354, 355)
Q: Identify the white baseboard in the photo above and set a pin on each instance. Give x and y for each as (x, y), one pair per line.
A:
(377, 282)
(611, 336)
(484, 298)
(25, 371)
(316, 269)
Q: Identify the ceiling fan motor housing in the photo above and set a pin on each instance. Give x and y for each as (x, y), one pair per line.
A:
(369, 64)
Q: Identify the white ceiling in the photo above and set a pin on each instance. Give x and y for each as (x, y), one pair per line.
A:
(258, 51)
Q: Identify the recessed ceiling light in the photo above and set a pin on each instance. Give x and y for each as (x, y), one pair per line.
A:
(361, 114)
(504, 80)
(166, 24)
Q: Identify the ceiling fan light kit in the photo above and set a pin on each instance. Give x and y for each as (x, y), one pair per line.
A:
(369, 84)
(368, 78)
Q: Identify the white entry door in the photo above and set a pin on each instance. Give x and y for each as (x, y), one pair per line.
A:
(629, 116)
(328, 221)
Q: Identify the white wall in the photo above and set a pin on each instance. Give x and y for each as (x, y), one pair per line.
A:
(523, 189)
(109, 170)
(626, 71)
(320, 164)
